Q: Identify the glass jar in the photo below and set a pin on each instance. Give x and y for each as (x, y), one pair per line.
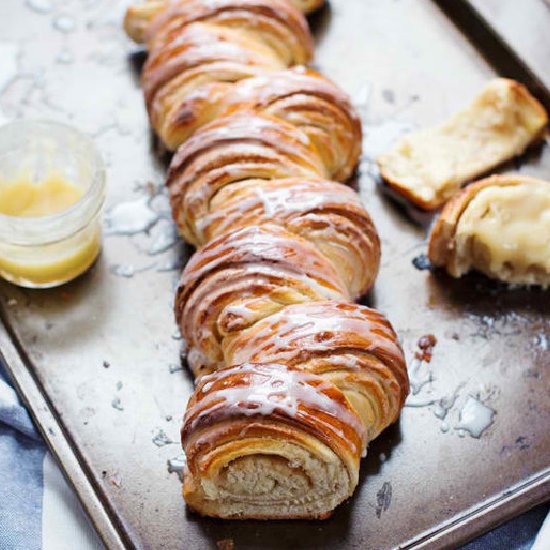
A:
(49, 250)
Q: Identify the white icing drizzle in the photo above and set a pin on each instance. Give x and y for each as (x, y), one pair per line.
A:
(269, 244)
(297, 322)
(419, 375)
(475, 417)
(270, 201)
(256, 252)
(273, 388)
(270, 207)
(242, 311)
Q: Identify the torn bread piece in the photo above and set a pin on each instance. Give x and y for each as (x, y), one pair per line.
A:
(499, 226)
(429, 166)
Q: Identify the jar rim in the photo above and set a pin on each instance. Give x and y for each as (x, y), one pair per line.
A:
(51, 228)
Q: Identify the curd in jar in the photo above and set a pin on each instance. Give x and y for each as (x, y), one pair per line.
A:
(51, 193)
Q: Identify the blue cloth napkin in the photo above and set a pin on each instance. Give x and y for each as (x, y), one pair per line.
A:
(21, 478)
(517, 534)
(23, 485)
(38, 510)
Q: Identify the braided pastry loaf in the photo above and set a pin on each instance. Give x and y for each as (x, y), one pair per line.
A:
(293, 379)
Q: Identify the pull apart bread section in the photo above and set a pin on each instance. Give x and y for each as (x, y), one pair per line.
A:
(429, 166)
(499, 226)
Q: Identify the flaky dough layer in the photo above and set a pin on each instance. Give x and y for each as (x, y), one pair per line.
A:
(429, 166)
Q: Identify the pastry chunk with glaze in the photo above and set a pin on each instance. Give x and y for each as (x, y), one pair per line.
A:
(139, 16)
(241, 277)
(429, 166)
(353, 346)
(269, 441)
(281, 435)
(499, 226)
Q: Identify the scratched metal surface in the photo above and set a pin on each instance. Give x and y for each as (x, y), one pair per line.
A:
(101, 354)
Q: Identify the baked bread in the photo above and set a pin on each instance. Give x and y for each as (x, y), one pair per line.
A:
(203, 55)
(199, 50)
(284, 437)
(241, 147)
(299, 96)
(139, 17)
(429, 166)
(241, 277)
(353, 346)
(268, 441)
(499, 226)
(327, 214)
(282, 250)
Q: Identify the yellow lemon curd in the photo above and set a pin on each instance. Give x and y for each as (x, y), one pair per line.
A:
(54, 262)
(26, 199)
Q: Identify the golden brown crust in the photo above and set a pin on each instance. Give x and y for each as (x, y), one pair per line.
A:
(440, 243)
(139, 16)
(529, 99)
(198, 49)
(234, 133)
(275, 391)
(332, 376)
(255, 16)
(243, 146)
(298, 96)
(202, 58)
(327, 214)
(311, 102)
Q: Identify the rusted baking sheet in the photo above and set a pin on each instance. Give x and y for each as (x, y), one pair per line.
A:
(98, 361)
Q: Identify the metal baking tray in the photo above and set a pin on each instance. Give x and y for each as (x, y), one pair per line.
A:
(98, 361)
